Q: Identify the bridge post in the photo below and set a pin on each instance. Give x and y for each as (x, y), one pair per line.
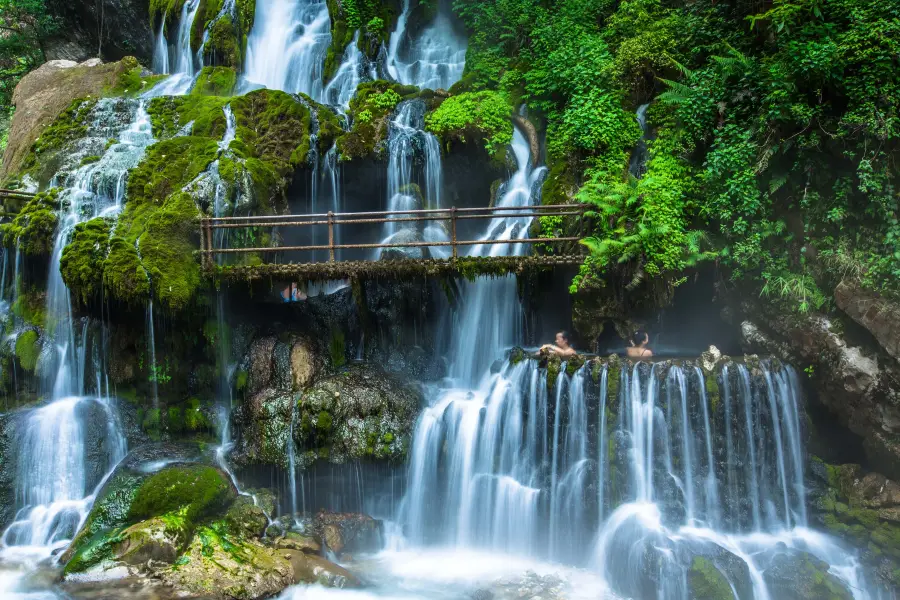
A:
(453, 231)
(330, 236)
(207, 244)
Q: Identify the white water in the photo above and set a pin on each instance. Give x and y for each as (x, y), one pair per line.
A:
(52, 497)
(408, 140)
(354, 70)
(177, 58)
(286, 48)
(435, 59)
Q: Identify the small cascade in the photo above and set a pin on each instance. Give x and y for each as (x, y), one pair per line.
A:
(292, 468)
(434, 59)
(355, 69)
(161, 49)
(177, 58)
(408, 140)
(638, 164)
(286, 48)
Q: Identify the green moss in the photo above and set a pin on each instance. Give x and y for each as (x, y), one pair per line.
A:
(168, 9)
(272, 127)
(83, 259)
(34, 229)
(70, 125)
(554, 366)
(560, 184)
(240, 380)
(712, 392)
(376, 100)
(223, 47)
(338, 349)
(168, 166)
(87, 160)
(93, 551)
(131, 79)
(196, 489)
(475, 116)
(170, 114)
(215, 81)
(28, 349)
(706, 582)
(573, 364)
(516, 356)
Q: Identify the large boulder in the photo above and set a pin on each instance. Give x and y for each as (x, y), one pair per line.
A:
(795, 575)
(879, 316)
(349, 532)
(861, 508)
(111, 29)
(45, 93)
(857, 384)
(359, 413)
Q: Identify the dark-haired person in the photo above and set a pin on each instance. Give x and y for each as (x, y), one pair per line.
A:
(562, 348)
(638, 347)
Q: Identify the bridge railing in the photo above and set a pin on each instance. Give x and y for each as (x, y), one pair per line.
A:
(11, 201)
(334, 221)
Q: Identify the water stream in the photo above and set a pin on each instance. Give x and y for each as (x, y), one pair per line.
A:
(434, 58)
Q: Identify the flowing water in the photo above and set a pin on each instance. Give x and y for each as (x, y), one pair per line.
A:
(434, 58)
(355, 68)
(414, 166)
(287, 47)
(176, 57)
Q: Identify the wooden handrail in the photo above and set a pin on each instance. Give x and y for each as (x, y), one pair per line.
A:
(332, 220)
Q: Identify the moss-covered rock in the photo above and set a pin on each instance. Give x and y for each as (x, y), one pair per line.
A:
(245, 519)
(170, 115)
(706, 582)
(196, 489)
(217, 565)
(28, 349)
(224, 44)
(358, 413)
(474, 117)
(215, 81)
(82, 262)
(795, 575)
(34, 229)
(371, 109)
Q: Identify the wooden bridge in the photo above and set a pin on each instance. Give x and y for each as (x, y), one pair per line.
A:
(456, 253)
(11, 201)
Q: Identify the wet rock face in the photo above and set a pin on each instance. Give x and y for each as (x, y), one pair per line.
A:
(878, 315)
(114, 28)
(795, 575)
(349, 532)
(358, 413)
(861, 508)
(9, 424)
(859, 386)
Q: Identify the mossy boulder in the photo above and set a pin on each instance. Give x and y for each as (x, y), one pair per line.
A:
(349, 532)
(215, 81)
(371, 109)
(358, 413)
(861, 508)
(218, 565)
(28, 349)
(795, 575)
(706, 582)
(136, 506)
(33, 230)
(245, 519)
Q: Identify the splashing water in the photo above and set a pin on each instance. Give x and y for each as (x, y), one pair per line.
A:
(183, 69)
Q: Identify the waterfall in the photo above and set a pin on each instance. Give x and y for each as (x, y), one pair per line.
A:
(408, 139)
(183, 69)
(286, 48)
(434, 59)
(52, 494)
(354, 70)
(638, 164)
(491, 316)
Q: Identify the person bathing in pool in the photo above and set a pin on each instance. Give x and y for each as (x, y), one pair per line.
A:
(638, 347)
(562, 347)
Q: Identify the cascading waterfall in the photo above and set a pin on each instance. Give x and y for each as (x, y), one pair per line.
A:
(355, 68)
(52, 493)
(178, 58)
(286, 48)
(621, 470)
(434, 59)
(407, 140)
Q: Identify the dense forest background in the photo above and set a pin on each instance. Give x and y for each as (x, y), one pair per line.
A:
(773, 130)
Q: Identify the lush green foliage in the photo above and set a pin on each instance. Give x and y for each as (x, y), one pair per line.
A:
(25, 26)
(774, 136)
(475, 115)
